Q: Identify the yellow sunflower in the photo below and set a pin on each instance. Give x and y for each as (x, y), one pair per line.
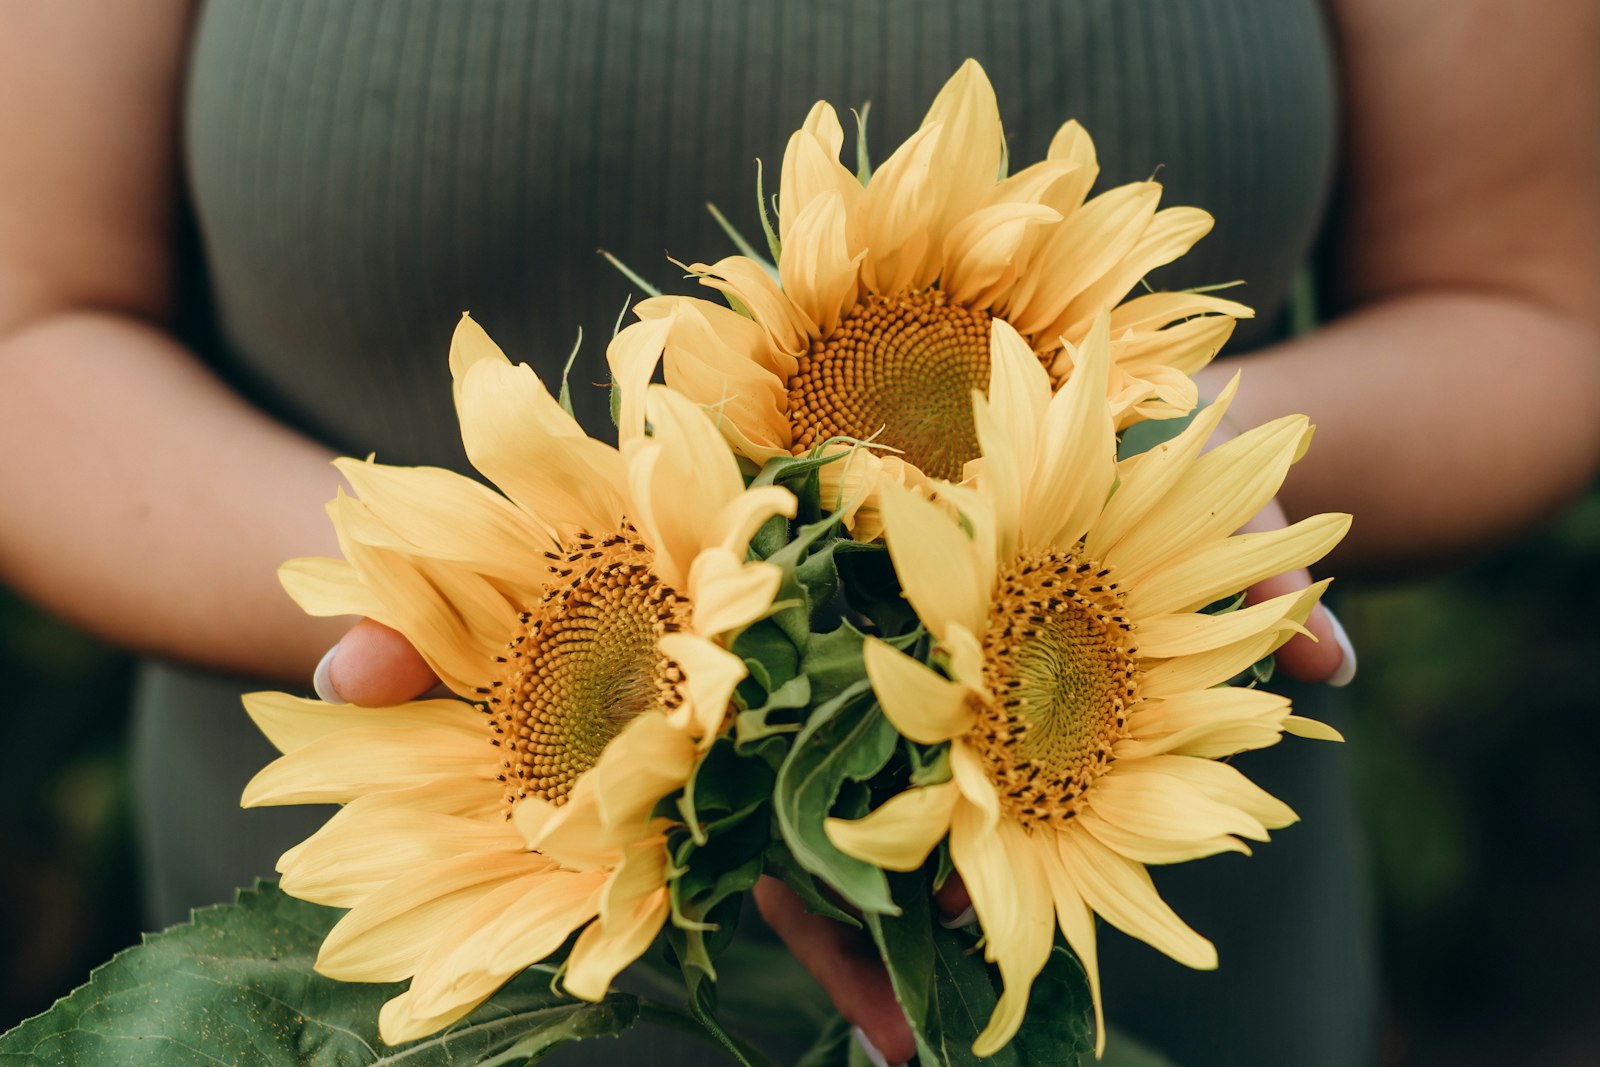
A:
(580, 619)
(1080, 688)
(877, 325)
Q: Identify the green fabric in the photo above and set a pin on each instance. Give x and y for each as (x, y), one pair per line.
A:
(361, 172)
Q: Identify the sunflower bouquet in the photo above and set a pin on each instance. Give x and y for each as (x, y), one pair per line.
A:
(870, 596)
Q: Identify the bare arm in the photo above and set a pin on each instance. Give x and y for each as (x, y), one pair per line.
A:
(141, 498)
(1458, 399)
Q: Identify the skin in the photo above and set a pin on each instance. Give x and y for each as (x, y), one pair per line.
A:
(1456, 394)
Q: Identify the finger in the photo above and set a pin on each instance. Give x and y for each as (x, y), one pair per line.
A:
(373, 666)
(1325, 656)
(845, 964)
(955, 903)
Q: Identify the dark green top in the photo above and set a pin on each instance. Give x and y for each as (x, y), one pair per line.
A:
(360, 172)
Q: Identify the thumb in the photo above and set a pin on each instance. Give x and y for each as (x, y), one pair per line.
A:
(373, 666)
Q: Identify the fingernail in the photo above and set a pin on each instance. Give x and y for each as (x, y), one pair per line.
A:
(323, 683)
(966, 918)
(870, 1049)
(1347, 666)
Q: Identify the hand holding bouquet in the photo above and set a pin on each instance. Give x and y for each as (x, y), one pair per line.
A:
(864, 600)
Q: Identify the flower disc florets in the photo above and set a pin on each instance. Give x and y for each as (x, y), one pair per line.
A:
(1058, 658)
(585, 662)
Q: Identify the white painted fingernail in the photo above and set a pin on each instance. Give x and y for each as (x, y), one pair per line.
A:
(1347, 666)
(870, 1049)
(966, 918)
(322, 683)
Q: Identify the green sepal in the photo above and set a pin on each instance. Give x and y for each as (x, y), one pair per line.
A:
(773, 244)
(863, 158)
(739, 240)
(565, 399)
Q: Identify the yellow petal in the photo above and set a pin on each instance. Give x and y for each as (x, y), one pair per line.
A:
(526, 921)
(1185, 347)
(1169, 235)
(747, 282)
(1002, 872)
(291, 723)
(1187, 633)
(898, 214)
(457, 620)
(818, 268)
(923, 706)
(1205, 669)
(684, 460)
(902, 831)
(518, 436)
(710, 675)
(609, 807)
(737, 521)
(982, 249)
(1076, 459)
(1008, 424)
(970, 147)
(972, 778)
(382, 938)
(1144, 480)
(632, 356)
(728, 594)
(340, 767)
(1077, 252)
(369, 843)
(325, 587)
(811, 169)
(1138, 800)
(943, 577)
(1311, 728)
(621, 936)
(1215, 496)
(1077, 926)
(1120, 891)
(1224, 784)
(1142, 848)
(444, 515)
(1072, 144)
(1228, 566)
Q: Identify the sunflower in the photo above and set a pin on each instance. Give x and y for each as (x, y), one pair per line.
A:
(1079, 682)
(580, 620)
(877, 325)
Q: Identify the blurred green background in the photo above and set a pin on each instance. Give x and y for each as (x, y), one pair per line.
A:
(1479, 726)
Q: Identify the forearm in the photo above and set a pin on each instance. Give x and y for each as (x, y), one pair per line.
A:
(149, 504)
(1447, 421)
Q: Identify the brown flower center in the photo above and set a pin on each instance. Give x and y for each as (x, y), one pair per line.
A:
(1059, 660)
(584, 662)
(899, 370)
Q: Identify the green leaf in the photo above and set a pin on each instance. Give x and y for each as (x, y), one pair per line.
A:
(235, 985)
(905, 943)
(960, 1001)
(847, 739)
(1059, 1024)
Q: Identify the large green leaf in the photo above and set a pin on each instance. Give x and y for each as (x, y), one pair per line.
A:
(847, 740)
(235, 986)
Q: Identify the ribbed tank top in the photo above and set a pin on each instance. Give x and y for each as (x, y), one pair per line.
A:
(361, 172)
